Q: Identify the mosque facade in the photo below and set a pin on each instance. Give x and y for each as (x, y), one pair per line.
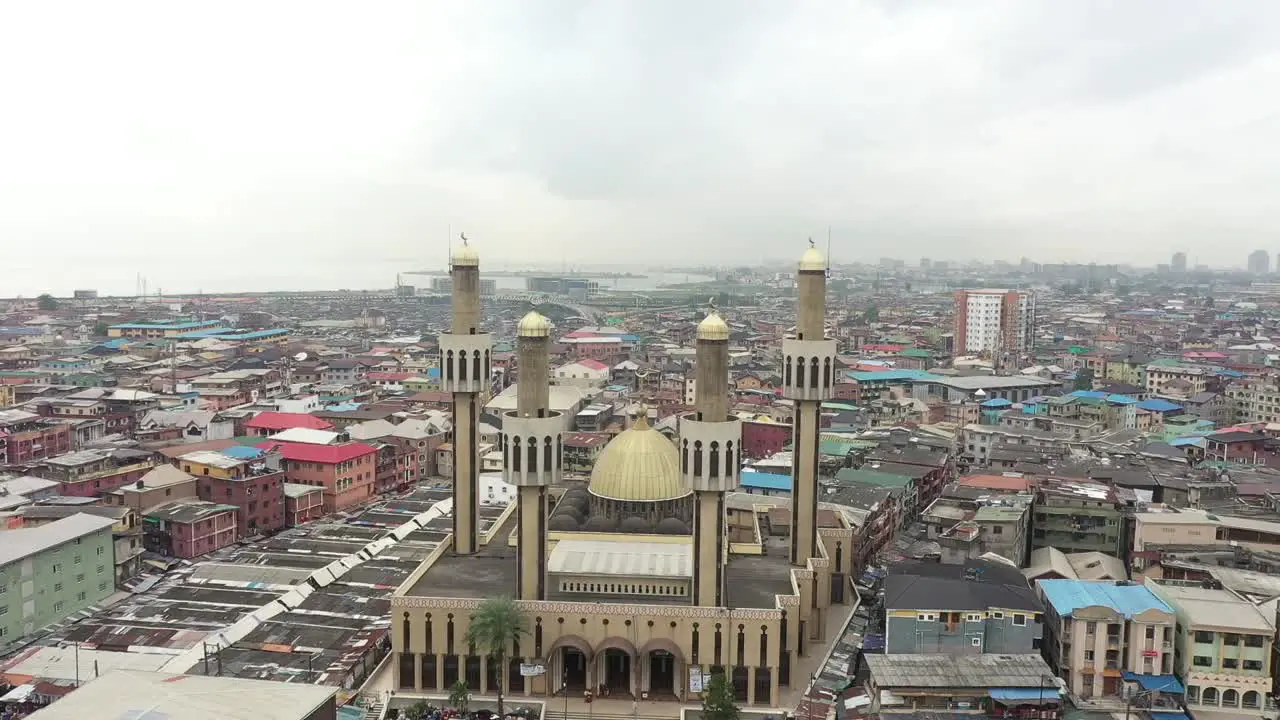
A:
(655, 574)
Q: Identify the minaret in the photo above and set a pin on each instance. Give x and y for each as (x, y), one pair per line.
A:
(710, 442)
(464, 371)
(531, 452)
(808, 367)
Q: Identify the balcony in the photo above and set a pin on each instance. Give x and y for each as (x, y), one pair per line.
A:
(1113, 641)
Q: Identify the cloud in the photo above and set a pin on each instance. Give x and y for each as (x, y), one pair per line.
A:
(655, 132)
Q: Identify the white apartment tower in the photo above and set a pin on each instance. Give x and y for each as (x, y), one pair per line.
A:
(994, 322)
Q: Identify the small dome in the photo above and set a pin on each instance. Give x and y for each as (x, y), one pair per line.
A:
(812, 260)
(563, 523)
(713, 327)
(633, 525)
(639, 465)
(534, 325)
(600, 523)
(466, 255)
(570, 511)
(672, 526)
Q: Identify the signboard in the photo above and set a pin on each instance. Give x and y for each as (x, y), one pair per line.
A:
(532, 670)
(698, 679)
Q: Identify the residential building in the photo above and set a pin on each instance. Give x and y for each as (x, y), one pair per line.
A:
(91, 473)
(586, 373)
(940, 686)
(270, 423)
(161, 484)
(190, 426)
(1223, 646)
(126, 532)
(1175, 380)
(1179, 262)
(1097, 630)
(994, 322)
(1050, 563)
(153, 330)
(982, 606)
(29, 438)
(346, 471)
(248, 478)
(302, 504)
(1077, 516)
(1259, 262)
(52, 571)
(189, 528)
(1237, 446)
(967, 529)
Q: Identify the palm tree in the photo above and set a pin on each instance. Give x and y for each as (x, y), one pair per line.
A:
(496, 626)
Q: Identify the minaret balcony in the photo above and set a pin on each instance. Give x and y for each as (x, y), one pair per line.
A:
(710, 453)
(809, 369)
(532, 450)
(465, 362)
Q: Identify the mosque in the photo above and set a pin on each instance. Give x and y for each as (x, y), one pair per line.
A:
(656, 574)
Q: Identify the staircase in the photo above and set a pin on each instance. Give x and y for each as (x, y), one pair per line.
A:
(373, 709)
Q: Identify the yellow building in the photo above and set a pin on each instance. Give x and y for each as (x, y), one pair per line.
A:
(152, 330)
(7, 396)
(657, 573)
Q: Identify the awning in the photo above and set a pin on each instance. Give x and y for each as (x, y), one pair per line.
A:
(18, 694)
(1048, 693)
(1157, 683)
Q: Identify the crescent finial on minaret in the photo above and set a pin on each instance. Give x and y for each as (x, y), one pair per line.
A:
(464, 239)
(811, 243)
(711, 302)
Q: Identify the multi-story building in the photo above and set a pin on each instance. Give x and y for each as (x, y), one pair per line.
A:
(1260, 262)
(248, 478)
(1179, 262)
(979, 607)
(127, 530)
(994, 321)
(189, 528)
(1097, 630)
(1175, 380)
(346, 471)
(91, 473)
(52, 571)
(163, 329)
(967, 528)
(1223, 647)
(161, 484)
(29, 438)
(302, 504)
(1077, 516)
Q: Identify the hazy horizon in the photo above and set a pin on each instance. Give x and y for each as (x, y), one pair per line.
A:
(285, 141)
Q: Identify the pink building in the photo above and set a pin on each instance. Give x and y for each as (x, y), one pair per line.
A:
(189, 528)
(345, 472)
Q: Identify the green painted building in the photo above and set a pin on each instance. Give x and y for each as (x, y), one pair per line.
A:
(52, 571)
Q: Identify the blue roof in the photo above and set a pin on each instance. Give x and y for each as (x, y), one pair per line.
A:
(1158, 405)
(1159, 683)
(1121, 399)
(1093, 394)
(179, 325)
(433, 373)
(1048, 692)
(232, 334)
(1067, 596)
(242, 452)
(343, 406)
(1184, 441)
(765, 481)
(22, 330)
(997, 403)
(116, 343)
(891, 375)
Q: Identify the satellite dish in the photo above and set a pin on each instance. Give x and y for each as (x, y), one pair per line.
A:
(300, 357)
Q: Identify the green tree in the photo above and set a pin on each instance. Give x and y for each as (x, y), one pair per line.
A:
(497, 625)
(100, 329)
(717, 699)
(459, 696)
(46, 302)
(1084, 379)
(872, 315)
(420, 709)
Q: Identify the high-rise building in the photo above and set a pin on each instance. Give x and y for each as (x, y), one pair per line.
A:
(1260, 262)
(994, 321)
(1179, 263)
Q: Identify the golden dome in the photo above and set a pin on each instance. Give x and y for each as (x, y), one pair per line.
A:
(713, 327)
(812, 260)
(639, 465)
(466, 255)
(534, 325)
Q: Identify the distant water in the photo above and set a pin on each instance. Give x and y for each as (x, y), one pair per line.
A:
(208, 272)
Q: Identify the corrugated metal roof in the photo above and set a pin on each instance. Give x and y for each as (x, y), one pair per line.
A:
(25, 542)
(1067, 596)
(633, 559)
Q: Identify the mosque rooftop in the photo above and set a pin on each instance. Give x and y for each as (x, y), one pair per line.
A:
(492, 571)
(753, 581)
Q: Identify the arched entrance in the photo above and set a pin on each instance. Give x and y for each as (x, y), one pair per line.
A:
(661, 670)
(569, 657)
(615, 671)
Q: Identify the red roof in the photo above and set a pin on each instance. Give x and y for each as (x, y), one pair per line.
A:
(288, 421)
(325, 454)
(593, 365)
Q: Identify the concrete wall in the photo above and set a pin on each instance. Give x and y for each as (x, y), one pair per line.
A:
(955, 633)
(49, 586)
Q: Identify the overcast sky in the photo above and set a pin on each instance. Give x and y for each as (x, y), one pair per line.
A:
(644, 130)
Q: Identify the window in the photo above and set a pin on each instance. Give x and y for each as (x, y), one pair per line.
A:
(1091, 627)
(974, 617)
(1230, 663)
(80, 596)
(57, 607)
(1255, 640)
(57, 587)
(976, 642)
(1230, 639)
(1252, 664)
(57, 568)
(80, 577)
(1203, 636)
(1202, 661)
(1151, 632)
(926, 617)
(1019, 619)
(102, 586)
(1088, 656)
